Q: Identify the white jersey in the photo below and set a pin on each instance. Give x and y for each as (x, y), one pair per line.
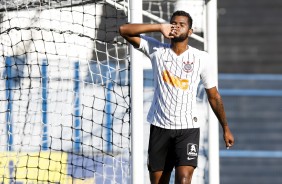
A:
(176, 79)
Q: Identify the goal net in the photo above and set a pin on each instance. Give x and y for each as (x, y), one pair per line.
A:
(64, 92)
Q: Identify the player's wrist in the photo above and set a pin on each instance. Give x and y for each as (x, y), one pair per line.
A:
(225, 128)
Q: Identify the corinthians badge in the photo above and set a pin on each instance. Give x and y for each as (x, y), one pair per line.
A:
(188, 66)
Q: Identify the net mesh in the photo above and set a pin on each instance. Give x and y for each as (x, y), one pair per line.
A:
(64, 114)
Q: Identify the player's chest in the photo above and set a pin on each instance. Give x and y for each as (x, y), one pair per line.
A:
(182, 66)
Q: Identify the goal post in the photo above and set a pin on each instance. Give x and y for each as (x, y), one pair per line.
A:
(213, 126)
(137, 177)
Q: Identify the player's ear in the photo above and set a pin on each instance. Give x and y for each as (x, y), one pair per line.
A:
(190, 31)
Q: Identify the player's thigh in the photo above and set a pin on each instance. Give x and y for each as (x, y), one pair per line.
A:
(158, 177)
(183, 174)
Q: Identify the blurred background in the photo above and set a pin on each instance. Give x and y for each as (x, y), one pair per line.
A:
(250, 81)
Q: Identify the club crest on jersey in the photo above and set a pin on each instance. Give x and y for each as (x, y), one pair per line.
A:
(188, 66)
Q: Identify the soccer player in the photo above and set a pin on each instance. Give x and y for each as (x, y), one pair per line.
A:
(177, 70)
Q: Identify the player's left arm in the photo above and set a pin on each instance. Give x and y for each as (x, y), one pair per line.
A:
(217, 106)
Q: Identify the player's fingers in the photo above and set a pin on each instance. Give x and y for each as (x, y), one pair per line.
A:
(170, 35)
(173, 27)
(229, 144)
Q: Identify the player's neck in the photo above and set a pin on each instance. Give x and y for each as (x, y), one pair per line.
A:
(179, 47)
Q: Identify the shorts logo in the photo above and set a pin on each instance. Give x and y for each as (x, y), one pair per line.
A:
(192, 151)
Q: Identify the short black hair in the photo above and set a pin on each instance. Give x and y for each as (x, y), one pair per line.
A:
(185, 14)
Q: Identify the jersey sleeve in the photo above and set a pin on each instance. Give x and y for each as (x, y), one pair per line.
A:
(147, 45)
(209, 72)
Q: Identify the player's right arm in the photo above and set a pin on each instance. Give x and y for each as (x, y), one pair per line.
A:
(131, 32)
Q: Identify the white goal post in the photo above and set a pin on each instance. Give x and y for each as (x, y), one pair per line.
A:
(213, 138)
(137, 173)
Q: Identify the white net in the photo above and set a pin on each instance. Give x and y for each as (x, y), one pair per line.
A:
(64, 114)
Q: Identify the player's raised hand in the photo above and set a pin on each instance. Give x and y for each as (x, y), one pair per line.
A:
(168, 30)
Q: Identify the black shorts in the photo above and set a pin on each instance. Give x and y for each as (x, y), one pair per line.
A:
(172, 148)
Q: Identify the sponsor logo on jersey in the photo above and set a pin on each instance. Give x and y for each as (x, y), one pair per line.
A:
(192, 151)
(188, 66)
(175, 81)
